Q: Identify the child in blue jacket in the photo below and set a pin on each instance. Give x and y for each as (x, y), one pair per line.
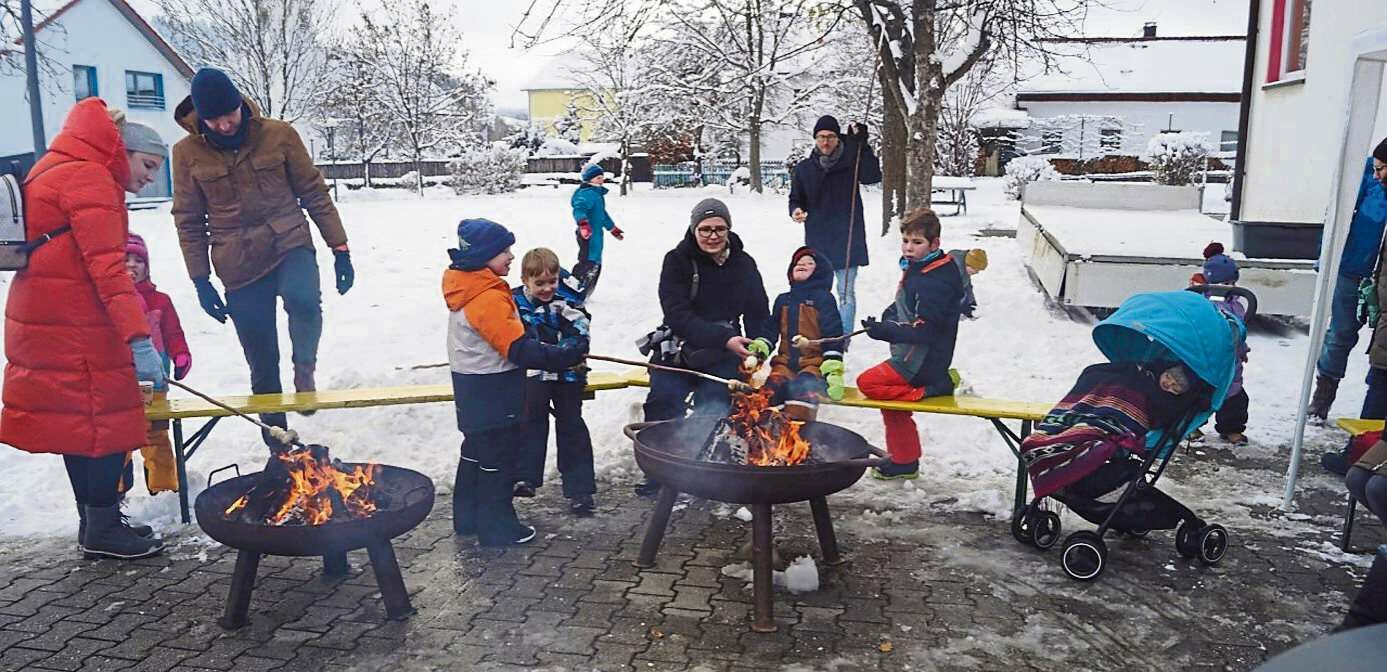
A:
(808, 363)
(591, 219)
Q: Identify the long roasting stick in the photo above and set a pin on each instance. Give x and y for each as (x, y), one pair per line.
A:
(800, 341)
(286, 436)
(731, 384)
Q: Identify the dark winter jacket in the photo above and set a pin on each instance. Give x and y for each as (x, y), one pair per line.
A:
(1365, 232)
(969, 302)
(589, 204)
(706, 316)
(808, 310)
(561, 321)
(827, 195)
(928, 298)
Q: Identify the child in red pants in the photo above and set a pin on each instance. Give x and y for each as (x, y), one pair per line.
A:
(921, 326)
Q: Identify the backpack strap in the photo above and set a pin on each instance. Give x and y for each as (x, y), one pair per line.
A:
(36, 243)
(945, 259)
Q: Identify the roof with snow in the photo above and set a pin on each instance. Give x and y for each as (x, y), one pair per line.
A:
(135, 20)
(1142, 68)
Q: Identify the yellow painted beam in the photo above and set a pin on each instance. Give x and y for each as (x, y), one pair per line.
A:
(1356, 426)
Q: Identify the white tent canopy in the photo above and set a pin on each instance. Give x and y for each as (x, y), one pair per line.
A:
(1370, 59)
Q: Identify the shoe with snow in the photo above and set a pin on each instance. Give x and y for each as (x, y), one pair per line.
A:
(582, 505)
(304, 382)
(106, 537)
(648, 488)
(893, 471)
(1326, 389)
(523, 489)
(1195, 438)
(1235, 438)
(1335, 462)
(520, 534)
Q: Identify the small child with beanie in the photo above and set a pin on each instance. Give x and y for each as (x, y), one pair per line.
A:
(590, 217)
(488, 353)
(166, 332)
(807, 337)
(1230, 421)
(970, 263)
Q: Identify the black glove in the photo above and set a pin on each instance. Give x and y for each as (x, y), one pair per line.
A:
(210, 300)
(891, 332)
(877, 330)
(342, 266)
(857, 132)
(529, 352)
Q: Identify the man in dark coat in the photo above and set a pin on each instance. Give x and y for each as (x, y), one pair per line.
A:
(824, 194)
(714, 304)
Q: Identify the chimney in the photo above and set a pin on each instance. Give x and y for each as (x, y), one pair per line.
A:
(1148, 30)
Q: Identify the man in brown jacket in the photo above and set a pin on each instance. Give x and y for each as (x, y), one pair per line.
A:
(241, 185)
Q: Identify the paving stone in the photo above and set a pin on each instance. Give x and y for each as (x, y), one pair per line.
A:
(20, 658)
(59, 636)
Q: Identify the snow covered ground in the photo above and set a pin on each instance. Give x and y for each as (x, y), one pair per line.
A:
(394, 319)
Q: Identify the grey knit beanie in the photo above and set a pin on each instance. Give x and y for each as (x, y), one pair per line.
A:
(141, 138)
(707, 209)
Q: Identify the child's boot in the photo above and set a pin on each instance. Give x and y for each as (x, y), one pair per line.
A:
(1235, 438)
(497, 524)
(893, 471)
(465, 497)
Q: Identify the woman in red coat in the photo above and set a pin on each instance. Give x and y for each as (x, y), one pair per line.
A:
(76, 339)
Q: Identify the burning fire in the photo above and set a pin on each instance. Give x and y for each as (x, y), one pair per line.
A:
(771, 438)
(305, 487)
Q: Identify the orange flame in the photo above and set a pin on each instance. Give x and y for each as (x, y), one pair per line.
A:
(772, 438)
(313, 480)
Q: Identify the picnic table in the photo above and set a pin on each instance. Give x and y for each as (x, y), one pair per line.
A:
(955, 190)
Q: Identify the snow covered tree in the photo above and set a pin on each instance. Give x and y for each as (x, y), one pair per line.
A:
(570, 126)
(422, 89)
(490, 169)
(1024, 170)
(51, 72)
(957, 152)
(1177, 158)
(529, 138)
(362, 130)
(277, 51)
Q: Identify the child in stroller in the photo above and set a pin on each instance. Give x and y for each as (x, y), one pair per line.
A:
(1101, 450)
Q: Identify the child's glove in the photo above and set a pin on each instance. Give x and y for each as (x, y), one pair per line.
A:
(182, 364)
(617, 234)
(584, 229)
(884, 331)
(761, 348)
(1367, 302)
(833, 375)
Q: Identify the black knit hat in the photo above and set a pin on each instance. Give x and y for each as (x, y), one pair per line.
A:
(214, 94)
(707, 209)
(1380, 152)
(827, 123)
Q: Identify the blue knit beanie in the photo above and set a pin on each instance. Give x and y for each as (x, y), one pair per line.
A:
(214, 94)
(478, 241)
(1220, 269)
(590, 171)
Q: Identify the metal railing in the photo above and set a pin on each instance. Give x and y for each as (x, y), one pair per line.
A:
(155, 101)
(686, 175)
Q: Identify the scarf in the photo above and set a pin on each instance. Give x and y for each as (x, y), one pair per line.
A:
(827, 161)
(232, 142)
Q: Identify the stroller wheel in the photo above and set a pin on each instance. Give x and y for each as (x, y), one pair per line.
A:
(1085, 556)
(1045, 529)
(1022, 527)
(1187, 538)
(1213, 543)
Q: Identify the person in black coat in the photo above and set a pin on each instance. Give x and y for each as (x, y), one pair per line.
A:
(714, 305)
(823, 192)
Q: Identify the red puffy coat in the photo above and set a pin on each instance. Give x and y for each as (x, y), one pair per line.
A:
(70, 378)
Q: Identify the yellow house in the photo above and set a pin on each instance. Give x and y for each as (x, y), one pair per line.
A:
(549, 95)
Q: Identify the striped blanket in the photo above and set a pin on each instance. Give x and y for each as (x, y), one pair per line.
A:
(1108, 409)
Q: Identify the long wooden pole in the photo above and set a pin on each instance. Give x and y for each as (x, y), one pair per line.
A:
(731, 384)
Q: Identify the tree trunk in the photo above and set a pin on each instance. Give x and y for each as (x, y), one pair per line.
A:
(755, 155)
(366, 172)
(923, 130)
(625, 166)
(893, 164)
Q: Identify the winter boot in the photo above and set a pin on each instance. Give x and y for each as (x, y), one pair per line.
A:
(1235, 438)
(1195, 437)
(497, 524)
(1335, 462)
(1325, 390)
(465, 497)
(1369, 606)
(648, 488)
(107, 537)
(303, 382)
(582, 505)
(892, 471)
(140, 529)
(81, 523)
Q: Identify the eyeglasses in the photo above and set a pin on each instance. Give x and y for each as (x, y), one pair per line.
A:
(711, 231)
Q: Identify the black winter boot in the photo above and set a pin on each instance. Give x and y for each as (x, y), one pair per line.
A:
(140, 529)
(465, 497)
(107, 537)
(1369, 607)
(81, 523)
(1325, 390)
(497, 524)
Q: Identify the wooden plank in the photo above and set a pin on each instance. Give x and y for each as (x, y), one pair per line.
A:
(1356, 426)
(364, 397)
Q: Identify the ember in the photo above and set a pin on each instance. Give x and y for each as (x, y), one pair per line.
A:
(306, 487)
(756, 434)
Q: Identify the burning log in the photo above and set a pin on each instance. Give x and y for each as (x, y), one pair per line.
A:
(307, 487)
(756, 434)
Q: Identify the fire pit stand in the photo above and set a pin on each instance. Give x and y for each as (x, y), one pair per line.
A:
(665, 450)
(411, 495)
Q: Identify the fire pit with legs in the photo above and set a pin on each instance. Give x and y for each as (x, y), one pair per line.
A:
(758, 457)
(306, 504)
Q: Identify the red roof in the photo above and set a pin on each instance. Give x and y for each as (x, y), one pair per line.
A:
(135, 20)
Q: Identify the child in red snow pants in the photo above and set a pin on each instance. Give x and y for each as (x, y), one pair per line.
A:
(882, 382)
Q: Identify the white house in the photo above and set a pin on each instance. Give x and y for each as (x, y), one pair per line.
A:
(99, 48)
(1110, 95)
(1300, 84)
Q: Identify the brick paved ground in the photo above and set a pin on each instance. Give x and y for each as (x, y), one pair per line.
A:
(928, 590)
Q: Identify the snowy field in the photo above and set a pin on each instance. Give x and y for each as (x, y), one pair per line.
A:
(394, 319)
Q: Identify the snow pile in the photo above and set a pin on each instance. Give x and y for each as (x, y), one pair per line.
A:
(1177, 158)
(1000, 117)
(802, 576)
(488, 170)
(557, 147)
(1023, 170)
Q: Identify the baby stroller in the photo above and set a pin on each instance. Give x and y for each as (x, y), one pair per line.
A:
(1148, 332)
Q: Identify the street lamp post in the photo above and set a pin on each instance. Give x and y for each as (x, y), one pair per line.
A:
(31, 76)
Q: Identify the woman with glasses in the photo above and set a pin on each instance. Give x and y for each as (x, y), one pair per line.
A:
(714, 305)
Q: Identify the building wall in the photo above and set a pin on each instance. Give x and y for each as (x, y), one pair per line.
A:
(546, 105)
(1296, 129)
(91, 33)
(1141, 121)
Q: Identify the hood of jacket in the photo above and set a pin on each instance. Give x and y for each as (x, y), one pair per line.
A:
(460, 287)
(820, 279)
(186, 115)
(88, 134)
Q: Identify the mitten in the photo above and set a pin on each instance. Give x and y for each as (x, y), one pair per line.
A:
(617, 234)
(833, 376)
(584, 230)
(182, 364)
